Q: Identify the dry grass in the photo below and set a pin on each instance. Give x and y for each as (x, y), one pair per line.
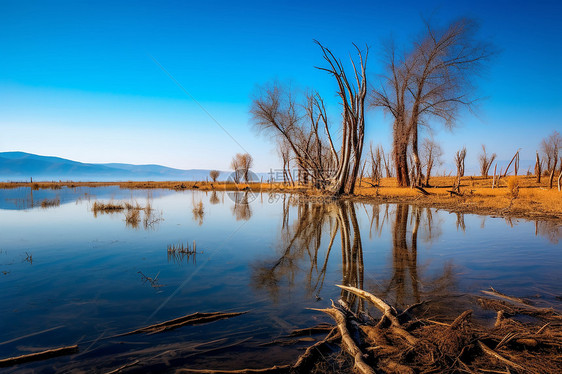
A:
(48, 203)
(132, 217)
(531, 199)
(109, 207)
(514, 195)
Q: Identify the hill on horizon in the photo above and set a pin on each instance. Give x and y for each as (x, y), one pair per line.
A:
(18, 166)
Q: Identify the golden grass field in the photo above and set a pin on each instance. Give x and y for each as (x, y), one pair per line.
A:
(523, 197)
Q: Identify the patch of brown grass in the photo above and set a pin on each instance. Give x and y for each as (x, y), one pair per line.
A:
(49, 203)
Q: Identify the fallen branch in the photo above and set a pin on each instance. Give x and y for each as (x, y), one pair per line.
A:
(318, 329)
(123, 367)
(347, 341)
(306, 361)
(44, 355)
(191, 319)
(498, 357)
(388, 312)
(274, 369)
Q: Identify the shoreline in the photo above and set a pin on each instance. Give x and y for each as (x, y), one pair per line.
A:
(528, 200)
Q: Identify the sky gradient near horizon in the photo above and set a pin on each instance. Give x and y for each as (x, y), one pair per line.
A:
(82, 80)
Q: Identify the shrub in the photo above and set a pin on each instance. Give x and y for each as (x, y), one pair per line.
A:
(513, 186)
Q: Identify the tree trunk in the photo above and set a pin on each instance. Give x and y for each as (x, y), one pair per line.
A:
(401, 163)
(551, 179)
(538, 170)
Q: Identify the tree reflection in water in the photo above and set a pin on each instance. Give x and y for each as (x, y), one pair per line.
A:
(303, 242)
(241, 209)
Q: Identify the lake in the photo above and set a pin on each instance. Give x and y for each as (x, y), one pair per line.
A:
(72, 275)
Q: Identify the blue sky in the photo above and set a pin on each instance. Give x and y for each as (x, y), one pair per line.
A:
(78, 79)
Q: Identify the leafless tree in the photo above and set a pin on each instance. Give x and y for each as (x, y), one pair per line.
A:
(538, 168)
(214, 174)
(485, 161)
(550, 148)
(376, 163)
(432, 80)
(241, 164)
(305, 128)
(431, 154)
(302, 131)
(353, 119)
(459, 161)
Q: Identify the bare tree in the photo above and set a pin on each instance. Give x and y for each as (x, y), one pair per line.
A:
(236, 166)
(353, 119)
(485, 161)
(305, 130)
(241, 164)
(459, 161)
(376, 163)
(432, 80)
(538, 168)
(299, 129)
(214, 174)
(431, 154)
(550, 148)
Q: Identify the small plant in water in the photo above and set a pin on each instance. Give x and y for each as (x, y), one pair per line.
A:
(154, 283)
(132, 217)
(47, 203)
(179, 252)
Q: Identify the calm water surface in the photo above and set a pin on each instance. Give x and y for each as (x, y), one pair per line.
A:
(70, 276)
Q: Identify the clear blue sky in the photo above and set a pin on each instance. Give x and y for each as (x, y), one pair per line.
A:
(77, 78)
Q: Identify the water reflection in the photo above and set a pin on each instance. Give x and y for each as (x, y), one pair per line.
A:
(314, 233)
(241, 209)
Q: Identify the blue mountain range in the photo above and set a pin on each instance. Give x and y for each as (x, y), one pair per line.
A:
(21, 166)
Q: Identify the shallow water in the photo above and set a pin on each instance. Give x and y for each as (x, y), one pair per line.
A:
(69, 276)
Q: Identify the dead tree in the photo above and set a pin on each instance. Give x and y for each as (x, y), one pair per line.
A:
(538, 168)
(214, 174)
(459, 161)
(431, 156)
(241, 164)
(302, 130)
(485, 161)
(550, 147)
(376, 163)
(432, 80)
(552, 171)
(353, 119)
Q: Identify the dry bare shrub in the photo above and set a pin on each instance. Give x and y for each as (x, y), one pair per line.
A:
(513, 186)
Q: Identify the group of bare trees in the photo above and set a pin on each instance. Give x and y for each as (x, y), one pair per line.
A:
(241, 164)
(302, 129)
(550, 149)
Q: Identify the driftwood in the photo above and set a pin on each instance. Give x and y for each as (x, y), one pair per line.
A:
(388, 312)
(348, 344)
(118, 370)
(307, 360)
(191, 319)
(422, 190)
(63, 351)
(318, 329)
(271, 370)
(498, 357)
(520, 306)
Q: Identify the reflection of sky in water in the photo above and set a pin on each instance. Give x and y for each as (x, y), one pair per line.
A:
(84, 271)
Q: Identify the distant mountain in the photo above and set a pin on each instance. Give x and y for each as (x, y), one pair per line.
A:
(17, 166)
